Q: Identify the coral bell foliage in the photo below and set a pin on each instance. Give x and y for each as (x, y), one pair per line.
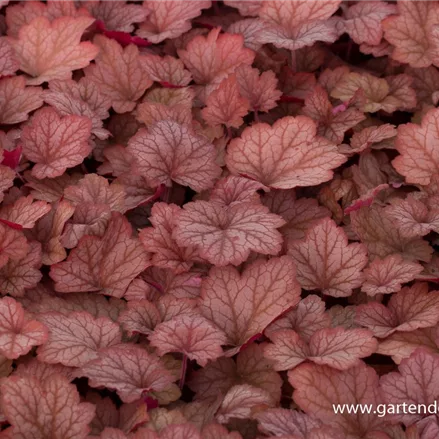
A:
(218, 219)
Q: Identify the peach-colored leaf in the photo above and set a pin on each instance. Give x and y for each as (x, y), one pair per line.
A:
(327, 262)
(158, 240)
(24, 211)
(363, 21)
(193, 336)
(13, 245)
(284, 156)
(48, 232)
(225, 105)
(370, 135)
(212, 58)
(332, 125)
(17, 100)
(259, 89)
(317, 388)
(418, 160)
(55, 143)
(52, 50)
(414, 383)
(243, 305)
(226, 234)
(76, 339)
(409, 309)
(385, 276)
(170, 152)
(336, 347)
(306, 318)
(94, 189)
(128, 369)
(19, 275)
(18, 334)
(234, 189)
(378, 232)
(169, 19)
(118, 73)
(45, 408)
(106, 264)
(412, 32)
(167, 69)
(8, 61)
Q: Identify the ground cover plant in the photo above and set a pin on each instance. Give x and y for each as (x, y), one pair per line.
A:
(218, 219)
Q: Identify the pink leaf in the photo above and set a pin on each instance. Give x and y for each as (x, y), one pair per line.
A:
(244, 305)
(170, 152)
(193, 336)
(412, 33)
(225, 105)
(25, 211)
(226, 235)
(326, 261)
(212, 58)
(19, 275)
(167, 69)
(18, 334)
(76, 339)
(8, 61)
(13, 245)
(118, 74)
(49, 408)
(55, 143)
(384, 276)
(284, 156)
(17, 100)
(363, 21)
(317, 388)
(169, 19)
(336, 347)
(128, 369)
(52, 50)
(415, 383)
(106, 264)
(409, 309)
(235, 189)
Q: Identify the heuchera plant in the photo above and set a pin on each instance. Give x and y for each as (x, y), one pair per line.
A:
(218, 218)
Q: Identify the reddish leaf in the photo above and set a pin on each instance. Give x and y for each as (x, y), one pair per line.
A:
(212, 58)
(284, 156)
(412, 32)
(235, 189)
(336, 347)
(370, 135)
(52, 50)
(168, 19)
(25, 211)
(106, 264)
(326, 261)
(129, 370)
(55, 143)
(226, 235)
(225, 105)
(118, 74)
(415, 383)
(194, 336)
(363, 21)
(332, 125)
(244, 305)
(259, 89)
(77, 339)
(13, 245)
(49, 408)
(317, 388)
(18, 334)
(167, 70)
(8, 61)
(407, 310)
(158, 240)
(22, 274)
(170, 152)
(17, 100)
(384, 276)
